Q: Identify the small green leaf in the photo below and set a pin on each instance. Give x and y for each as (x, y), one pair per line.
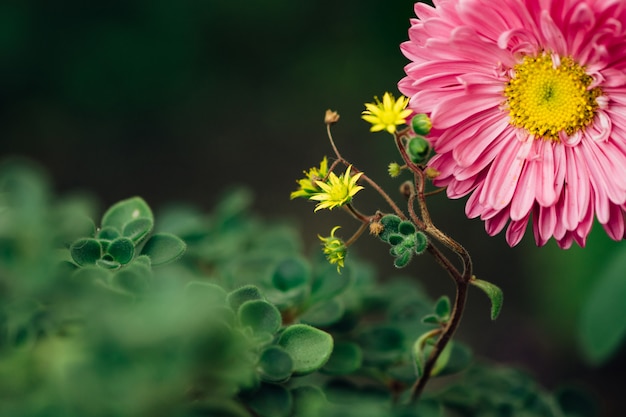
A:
(125, 211)
(390, 224)
(403, 260)
(346, 358)
(291, 273)
(108, 233)
(309, 401)
(134, 279)
(205, 294)
(270, 401)
(261, 316)
(163, 248)
(493, 292)
(602, 324)
(381, 344)
(431, 319)
(86, 251)
(122, 250)
(309, 347)
(421, 242)
(443, 308)
(138, 229)
(395, 239)
(406, 228)
(324, 313)
(108, 264)
(239, 296)
(275, 364)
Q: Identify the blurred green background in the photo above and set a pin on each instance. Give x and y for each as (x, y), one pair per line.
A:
(181, 99)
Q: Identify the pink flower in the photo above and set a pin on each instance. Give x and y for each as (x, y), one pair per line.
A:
(528, 106)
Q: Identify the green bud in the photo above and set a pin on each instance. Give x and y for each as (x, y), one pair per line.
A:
(418, 149)
(421, 124)
(394, 169)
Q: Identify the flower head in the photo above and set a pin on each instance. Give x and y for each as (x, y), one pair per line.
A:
(307, 186)
(388, 114)
(334, 248)
(527, 100)
(336, 191)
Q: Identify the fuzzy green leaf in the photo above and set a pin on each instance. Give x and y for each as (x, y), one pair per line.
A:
(406, 228)
(86, 251)
(125, 211)
(493, 292)
(163, 248)
(239, 296)
(421, 242)
(270, 401)
(395, 239)
(275, 364)
(309, 347)
(403, 260)
(291, 273)
(138, 229)
(122, 250)
(108, 233)
(346, 358)
(261, 316)
(324, 313)
(390, 224)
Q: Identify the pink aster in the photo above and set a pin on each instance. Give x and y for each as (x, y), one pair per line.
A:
(528, 105)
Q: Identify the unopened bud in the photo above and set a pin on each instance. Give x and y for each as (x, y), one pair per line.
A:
(418, 149)
(394, 169)
(421, 124)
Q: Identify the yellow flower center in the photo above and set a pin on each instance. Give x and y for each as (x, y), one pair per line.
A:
(545, 99)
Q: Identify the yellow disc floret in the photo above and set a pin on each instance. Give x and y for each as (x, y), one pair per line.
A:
(546, 97)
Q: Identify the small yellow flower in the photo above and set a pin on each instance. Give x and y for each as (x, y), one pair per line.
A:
(334, 249)
(308, 187)
(388, 114)
(336, 191)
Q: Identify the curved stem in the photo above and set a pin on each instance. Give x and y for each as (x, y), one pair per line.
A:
(444, 338)
(356, 234)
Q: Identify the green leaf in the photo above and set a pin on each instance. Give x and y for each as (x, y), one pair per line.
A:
(602, 325)
(261, 316)
(275, 364)
(163, 248)
(205, 294)
(133, 278)
(309, 401)
(125, 211)
(108, 233)
(346, 358)
(390, 224)
(403, 260)
(324, 314)
(493, 292)
(291, 273)
(108, 264)
(381, 343)
(406, 228)
(270, 401)
(431, 319)
(443, 308)
(395, 239)
(309, 347)
(138, 229)
(122, 250)
(421, 242)
(239, 296)
(86, 251)
(460, 359)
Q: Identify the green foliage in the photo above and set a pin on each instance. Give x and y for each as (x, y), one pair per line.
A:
(602, 324)
(404, 239)
(493, 292)
(116, 320)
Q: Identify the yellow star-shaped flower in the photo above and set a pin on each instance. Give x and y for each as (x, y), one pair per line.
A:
(336, 191)
(308, 187)
(388, 114)
(334, 249)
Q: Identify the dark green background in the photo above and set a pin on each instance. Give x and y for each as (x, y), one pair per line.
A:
(180, 99)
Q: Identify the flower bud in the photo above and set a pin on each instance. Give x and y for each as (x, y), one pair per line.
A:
(418, 149)
(421, 124)
(394, 169)
(331, 117)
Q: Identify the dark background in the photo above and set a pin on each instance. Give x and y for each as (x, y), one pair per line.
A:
(181, 99)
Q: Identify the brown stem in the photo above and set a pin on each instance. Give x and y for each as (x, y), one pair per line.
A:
(446, 335)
